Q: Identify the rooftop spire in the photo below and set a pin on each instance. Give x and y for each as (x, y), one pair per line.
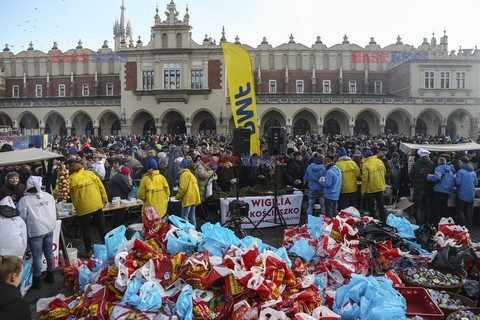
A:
(122, 16)
(222, 39)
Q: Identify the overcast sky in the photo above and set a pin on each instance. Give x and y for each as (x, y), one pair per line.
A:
(65, 21)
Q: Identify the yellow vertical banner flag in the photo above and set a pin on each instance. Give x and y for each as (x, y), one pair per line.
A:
(238, 64)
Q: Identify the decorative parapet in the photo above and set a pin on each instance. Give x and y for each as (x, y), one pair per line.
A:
(58, 102)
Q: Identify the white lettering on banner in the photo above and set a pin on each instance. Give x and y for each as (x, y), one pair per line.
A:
(288, 205)
(55, 248)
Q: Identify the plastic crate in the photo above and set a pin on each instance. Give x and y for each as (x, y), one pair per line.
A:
(419, 303)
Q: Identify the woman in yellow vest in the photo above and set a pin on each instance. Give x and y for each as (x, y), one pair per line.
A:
(154, 190)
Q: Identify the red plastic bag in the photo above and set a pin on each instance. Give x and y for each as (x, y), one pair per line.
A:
(152, 221)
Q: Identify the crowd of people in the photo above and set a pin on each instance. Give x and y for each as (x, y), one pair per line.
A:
(334, 171)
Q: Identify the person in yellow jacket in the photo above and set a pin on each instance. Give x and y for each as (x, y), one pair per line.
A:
(154, 190)
(373, 183)
(188, 192)
(88, 197)
(350, 174)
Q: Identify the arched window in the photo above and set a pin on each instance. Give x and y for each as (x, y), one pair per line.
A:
(257, 61)
(89, 129)
(301, 127)
(177, 127)
(339, 61)
(299, 62)
(164, 40)
(312, 61)
(391, 126)
(326, 62)
(270, 124)
(116, 127)
(179, 40)
(331, 126)
(149, 127)
(284, 61)
(361, 127)
(207, 126)
(421, 128)
(271, 62)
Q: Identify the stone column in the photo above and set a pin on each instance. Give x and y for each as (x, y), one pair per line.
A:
(69, 131)
(443, 130)
(382, 128)
(352, 130)
(95, 131)
(189, 128)
(158, 129)
(289, 128)
(412, 130)
(126, 129)
(41, 130)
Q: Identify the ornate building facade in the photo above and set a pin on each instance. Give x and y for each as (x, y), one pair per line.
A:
(173, 84)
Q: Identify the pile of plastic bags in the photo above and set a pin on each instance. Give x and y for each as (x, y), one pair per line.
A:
(322, 271)
(172, 271)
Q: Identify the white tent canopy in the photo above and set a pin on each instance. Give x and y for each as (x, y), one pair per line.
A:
(26, 156)
(408, 147)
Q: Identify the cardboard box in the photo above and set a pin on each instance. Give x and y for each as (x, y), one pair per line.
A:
(399, 207)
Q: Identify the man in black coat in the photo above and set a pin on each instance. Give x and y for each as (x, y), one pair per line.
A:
(295, 171)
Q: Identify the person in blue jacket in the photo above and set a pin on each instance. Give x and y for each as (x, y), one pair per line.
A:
(314, 172)
(444, 184)
(331, 183)
(465, 180)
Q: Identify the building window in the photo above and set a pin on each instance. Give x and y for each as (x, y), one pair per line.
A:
(429, 80)
(197, 79)
(299, 86)
(378, 86)
(85, 90)
(461, 80)
(352, 87)
(61, 90)
(272, 86)
(445, 80)
(109, 89)
(326, 86)
(15, 92)
(171, 76)
(38, 90)
(148, 80)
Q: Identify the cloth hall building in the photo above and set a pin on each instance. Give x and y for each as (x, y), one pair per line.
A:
(172, 84)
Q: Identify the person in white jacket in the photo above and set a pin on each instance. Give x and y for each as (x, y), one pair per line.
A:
(38, 210)
(13, 230)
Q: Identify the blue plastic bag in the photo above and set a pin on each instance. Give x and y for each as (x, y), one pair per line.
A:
(131, 294)
(99, 256)
(114, 239)
(315, 226)
(217, 239)
(83, 277)
(184, 306)
(150, 298)
(27, 277)
(369, 298)
(282, 253)
(404, 228)
(302, 249)
(138, 236)
(133, 193)
(181, 223)
(182, 243)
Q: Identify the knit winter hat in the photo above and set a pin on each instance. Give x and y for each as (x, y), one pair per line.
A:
(342, 152)
(368, 153)
(125, 170)
(12, 174)
(183, 164)
(151, 164)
